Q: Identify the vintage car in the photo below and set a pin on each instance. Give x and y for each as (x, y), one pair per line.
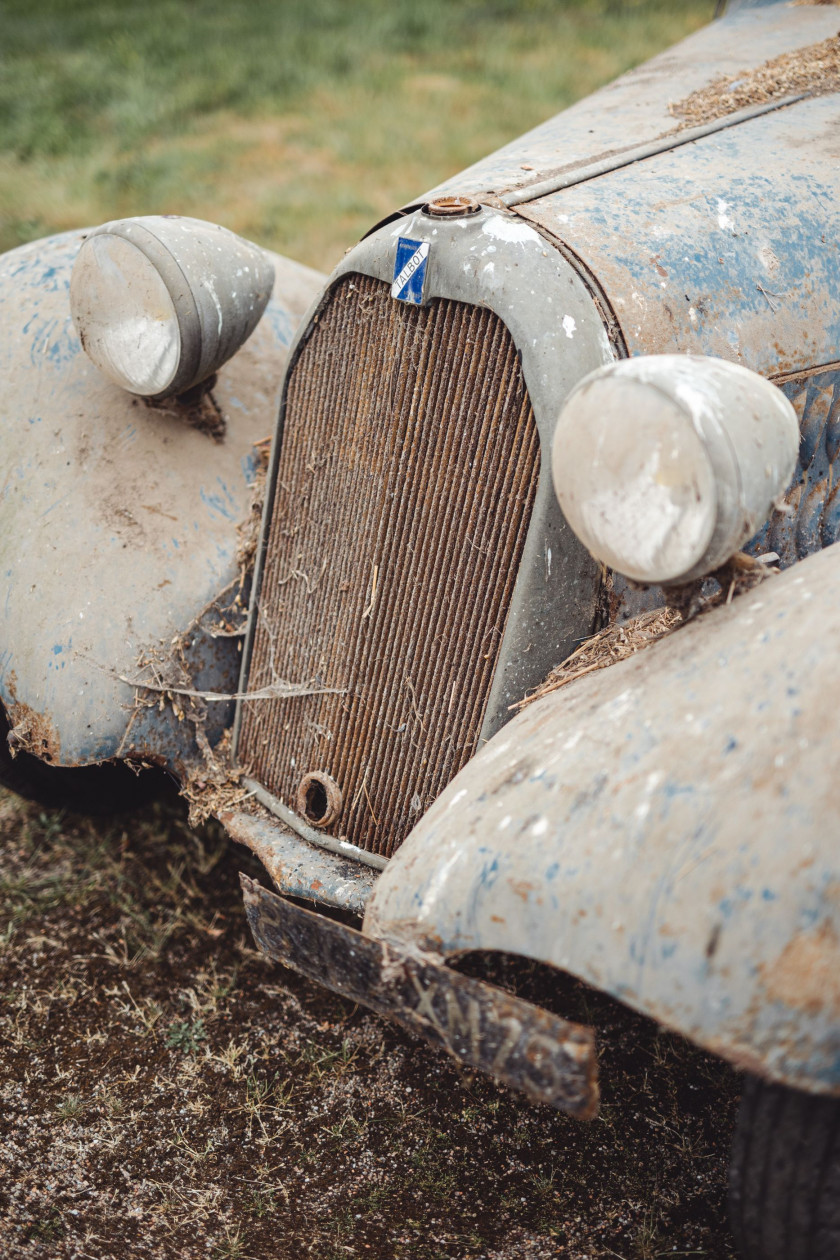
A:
(588, 387)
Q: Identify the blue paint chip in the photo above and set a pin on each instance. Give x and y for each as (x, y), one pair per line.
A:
(410, 266)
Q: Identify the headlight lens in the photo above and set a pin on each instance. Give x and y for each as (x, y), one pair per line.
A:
(643, 496)
(130, 328)
(664, 466)
(161, 302)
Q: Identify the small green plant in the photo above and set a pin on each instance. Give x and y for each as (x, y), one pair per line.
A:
(261, 1201)
(186, 1035)
(52, 825)
(71, 1107)
(47, 1230)
(647, 1240)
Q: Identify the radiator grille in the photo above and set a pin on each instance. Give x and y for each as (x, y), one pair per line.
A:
(406, 479)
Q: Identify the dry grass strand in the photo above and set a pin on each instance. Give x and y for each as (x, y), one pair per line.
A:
(814, 70)
(612, 644)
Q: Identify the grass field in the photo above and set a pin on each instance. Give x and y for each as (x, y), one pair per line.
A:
(295, 122)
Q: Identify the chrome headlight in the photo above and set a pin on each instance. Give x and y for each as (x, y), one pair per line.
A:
(161, 302)
(665, 465)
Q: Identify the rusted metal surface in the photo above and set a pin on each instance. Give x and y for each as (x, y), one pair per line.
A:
(729, 246)
(316, 836)
(809, 518)
(665, 830)
(453, 207)
(405, 487)
(487, 260)
(118, 522)
(550, 1059)
(296, 867)
(319, 799)
(636, 108)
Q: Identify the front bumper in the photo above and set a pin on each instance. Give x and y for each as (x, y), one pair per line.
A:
(550, 1059)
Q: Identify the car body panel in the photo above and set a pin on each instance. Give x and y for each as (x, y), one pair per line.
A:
(667, 830)
(118, 521)
(637, 107)
(728, 246)
(664, 829)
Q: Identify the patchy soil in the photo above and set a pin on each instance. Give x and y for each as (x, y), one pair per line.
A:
(167, 1092)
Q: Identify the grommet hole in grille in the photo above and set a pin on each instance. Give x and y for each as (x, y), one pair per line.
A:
(319, 799)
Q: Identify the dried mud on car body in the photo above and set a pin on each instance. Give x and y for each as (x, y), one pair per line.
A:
(167, 1092)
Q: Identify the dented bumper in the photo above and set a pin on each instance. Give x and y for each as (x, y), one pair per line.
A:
(550, 1059)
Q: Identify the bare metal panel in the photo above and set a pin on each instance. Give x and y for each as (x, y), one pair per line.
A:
(717, 247)
(404, 490)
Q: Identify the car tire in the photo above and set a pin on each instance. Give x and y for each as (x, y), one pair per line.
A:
(111, 788)
(785, 1174)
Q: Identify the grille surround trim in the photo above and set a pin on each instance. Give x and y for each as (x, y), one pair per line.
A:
(405, 489)
(530, 287)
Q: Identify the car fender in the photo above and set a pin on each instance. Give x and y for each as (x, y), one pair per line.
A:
(118, 520)
(665, 829)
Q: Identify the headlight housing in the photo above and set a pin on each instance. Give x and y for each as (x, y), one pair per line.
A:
(665, 465)
(161, 302)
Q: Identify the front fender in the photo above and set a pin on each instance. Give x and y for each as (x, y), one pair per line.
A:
(667, 830)
(118, 521)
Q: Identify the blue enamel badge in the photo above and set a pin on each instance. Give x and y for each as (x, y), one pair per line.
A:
(410, 270)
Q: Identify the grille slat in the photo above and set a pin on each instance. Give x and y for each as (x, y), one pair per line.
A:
(409, 445)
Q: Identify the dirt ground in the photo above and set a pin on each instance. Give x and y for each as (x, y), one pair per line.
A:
(167, 1092)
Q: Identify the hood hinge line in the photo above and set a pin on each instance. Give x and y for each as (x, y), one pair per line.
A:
(671, 140)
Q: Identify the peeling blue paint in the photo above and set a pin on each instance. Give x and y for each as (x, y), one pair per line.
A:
(221, 501)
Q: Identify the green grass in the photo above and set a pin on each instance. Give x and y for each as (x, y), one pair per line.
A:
(298, 124)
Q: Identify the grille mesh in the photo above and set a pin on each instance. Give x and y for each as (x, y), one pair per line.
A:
(405, 485)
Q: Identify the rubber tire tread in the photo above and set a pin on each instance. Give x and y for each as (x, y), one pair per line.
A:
(784, 1189)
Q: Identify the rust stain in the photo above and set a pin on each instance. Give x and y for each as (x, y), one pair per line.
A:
(452, 207)
(806, 975)
(33, 733)
(523, 888)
